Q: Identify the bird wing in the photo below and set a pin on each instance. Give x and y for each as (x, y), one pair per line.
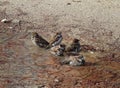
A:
(43, 41)
(57, 39)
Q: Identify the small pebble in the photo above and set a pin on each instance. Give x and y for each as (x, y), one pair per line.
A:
(10, 27)
(91, 52)
(68, 3)
(56, 80)
(5, 21)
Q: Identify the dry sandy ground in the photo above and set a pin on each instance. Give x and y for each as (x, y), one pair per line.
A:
(94, 22)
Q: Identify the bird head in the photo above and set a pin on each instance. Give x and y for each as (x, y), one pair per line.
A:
(58, 33)
(62, 45)
(34, 34)
(75, 40)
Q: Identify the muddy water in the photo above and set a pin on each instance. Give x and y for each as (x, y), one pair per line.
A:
(23, 65)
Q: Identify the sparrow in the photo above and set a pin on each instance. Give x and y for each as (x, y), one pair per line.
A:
(58, 50)
(38, 40)
(57, 39)
(77, 61)
(74, 46)
(74, 60)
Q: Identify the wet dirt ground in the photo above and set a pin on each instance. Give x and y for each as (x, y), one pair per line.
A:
(23, 65)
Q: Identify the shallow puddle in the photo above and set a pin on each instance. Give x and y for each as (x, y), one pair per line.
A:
(23, 64)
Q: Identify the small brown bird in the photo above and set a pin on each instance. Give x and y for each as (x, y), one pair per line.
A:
(58, 50)
(57, 39)
(74, 46)
(38, 40)
(74, 60)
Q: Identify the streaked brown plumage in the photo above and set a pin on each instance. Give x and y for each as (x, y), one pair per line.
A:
(38, 40)
(57, 39)
(58, 50)
(74, 46)
(74, 60)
